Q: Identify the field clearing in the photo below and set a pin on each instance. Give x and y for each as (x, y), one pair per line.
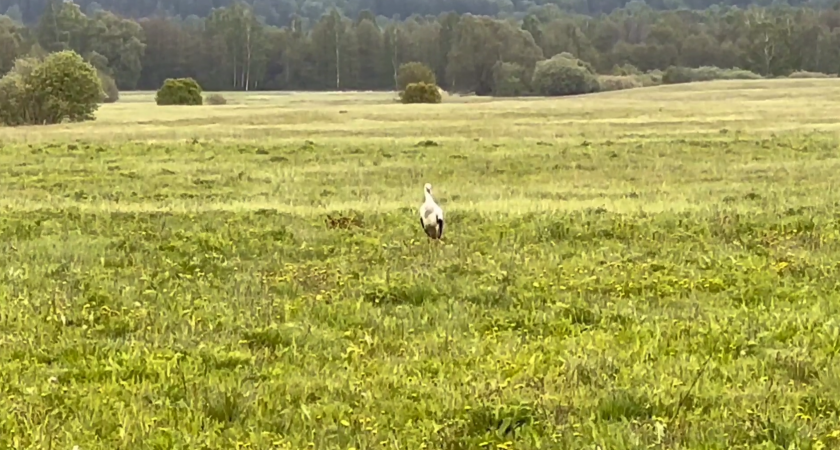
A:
(661, 112)
(652, 268)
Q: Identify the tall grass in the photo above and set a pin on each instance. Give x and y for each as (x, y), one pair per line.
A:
(650, 268)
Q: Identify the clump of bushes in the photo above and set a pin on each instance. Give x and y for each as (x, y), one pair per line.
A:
(652, 78)
(806, 74)
(676, 75)
(179, 91)
(510, 80)
(420, 93)
(619, 82)
(216, 99)
(626, 69)
(564, 74)
(41, 91)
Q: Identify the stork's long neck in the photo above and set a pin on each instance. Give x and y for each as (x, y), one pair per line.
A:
(429, 198)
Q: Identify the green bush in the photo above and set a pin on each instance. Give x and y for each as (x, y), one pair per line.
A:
(564, 74)
(109, 86)
(421, 93)
(61, 86)
(626, 69)
(618, 82)
(179, 91)
(216, 99)
(510, 80)
(15, 100)
(806, 74)
(414, 72)
(652, 78)
(677, 75)
(66, 87)
(630, 79)
(14, 108)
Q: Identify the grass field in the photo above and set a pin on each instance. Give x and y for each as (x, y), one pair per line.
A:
(652, 268)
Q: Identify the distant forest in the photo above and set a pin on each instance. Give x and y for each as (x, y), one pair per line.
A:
(359, 44)
(282, 12)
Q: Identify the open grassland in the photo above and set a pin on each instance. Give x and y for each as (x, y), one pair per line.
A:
(653, 268)
(658, 113)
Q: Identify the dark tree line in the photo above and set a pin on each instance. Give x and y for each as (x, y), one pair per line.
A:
(233, 48)
(282, 12)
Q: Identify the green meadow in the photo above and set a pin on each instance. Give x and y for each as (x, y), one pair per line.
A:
(648, 268)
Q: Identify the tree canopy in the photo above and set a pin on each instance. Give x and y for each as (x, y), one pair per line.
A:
(282, 12)
(280, 45)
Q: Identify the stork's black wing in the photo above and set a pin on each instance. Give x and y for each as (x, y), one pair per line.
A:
(427, 230)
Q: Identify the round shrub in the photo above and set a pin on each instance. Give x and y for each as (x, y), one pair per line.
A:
(62, 86)
(414, 72)
(420, 93)
(216, 99)
(66, 87)
(179, 91)
(564, 75)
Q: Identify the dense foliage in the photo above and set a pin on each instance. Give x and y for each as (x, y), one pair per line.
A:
(564, 74)
(180, 91)
(421, 93)
(60, 87)
(510, 80)
(362, 46)
(282, 12)
(109, 86)
(414, 72)
(676, 75)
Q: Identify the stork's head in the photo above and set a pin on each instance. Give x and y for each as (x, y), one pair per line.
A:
(428, 188)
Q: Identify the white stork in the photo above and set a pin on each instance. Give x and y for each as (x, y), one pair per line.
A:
(431, 216)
